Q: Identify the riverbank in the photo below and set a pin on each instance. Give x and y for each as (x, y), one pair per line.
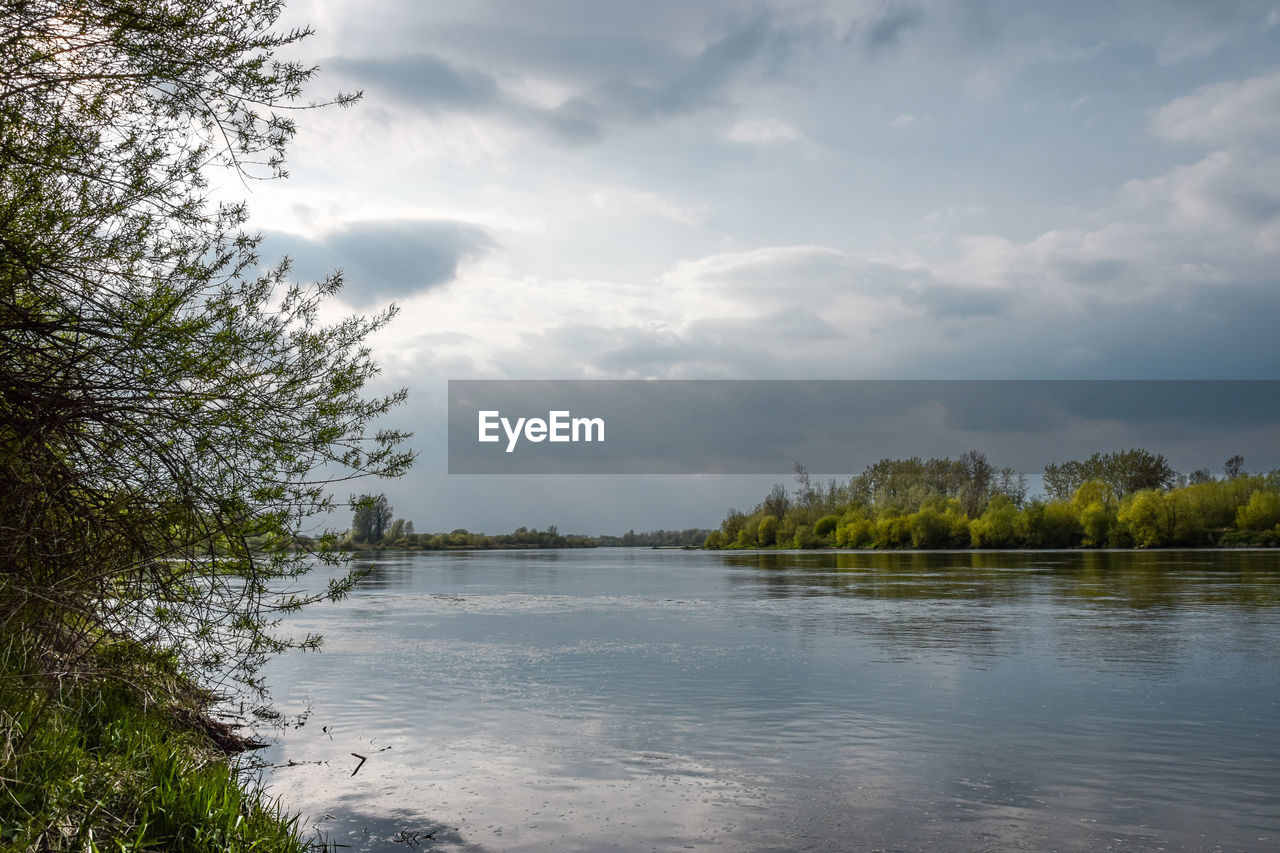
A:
(115, 750)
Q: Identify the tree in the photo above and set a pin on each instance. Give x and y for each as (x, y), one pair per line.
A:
(168, 408)
(1262, 512)
(767, 532)
(372, 519)
(1233, 467)
(997, 527)
(1126, 472)
(978, 476)
(777, 502)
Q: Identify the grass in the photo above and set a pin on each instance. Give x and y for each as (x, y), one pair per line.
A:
(119, 757)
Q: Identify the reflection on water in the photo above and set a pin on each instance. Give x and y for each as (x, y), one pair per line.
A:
(660, 700)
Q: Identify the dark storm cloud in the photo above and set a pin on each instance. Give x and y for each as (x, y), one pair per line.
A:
(383, 259)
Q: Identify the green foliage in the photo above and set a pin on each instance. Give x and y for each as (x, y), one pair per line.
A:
(930, 504)
(1097, 520)
(1049, 525)
(767, 531)
(826, 525)
(1146, 515)
(997, 527)
(372, 519)
(109, 762)
(804, 538)
(939, 524)
(172, 411)
(1262, 512)
(715, 540)
(892, 531)
(1094, 492)
(1125, 472)
(855, 531)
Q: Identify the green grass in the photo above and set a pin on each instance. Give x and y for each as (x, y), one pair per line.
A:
(105, 762)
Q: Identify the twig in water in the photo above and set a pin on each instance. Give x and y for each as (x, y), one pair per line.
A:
(362, 758)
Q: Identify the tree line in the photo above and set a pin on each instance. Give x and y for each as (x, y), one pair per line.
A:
(1125, 499)
(373, 526)
(660, 538)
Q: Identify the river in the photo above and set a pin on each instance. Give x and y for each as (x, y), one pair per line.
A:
(637, 700)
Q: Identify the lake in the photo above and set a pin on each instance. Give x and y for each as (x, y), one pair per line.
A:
(628, 699)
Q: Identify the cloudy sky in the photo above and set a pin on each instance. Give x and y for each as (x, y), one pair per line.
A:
(825, 190)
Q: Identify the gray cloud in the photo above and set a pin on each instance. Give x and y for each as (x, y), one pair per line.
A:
(651, 83)
(433, 85)
(953, 302)
(886, 29)
(383, 259)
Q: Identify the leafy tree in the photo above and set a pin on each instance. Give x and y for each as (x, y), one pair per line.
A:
(1097, 520)
(1125, 472)
(1093, 492)
(1147, 516)
(826, 525)
(168, 407)
(855, 531)
(767, 531)
(1062, 479)
(1051, 525)
(997, 526)
(1262, 512)
(978, 476)
(804, 538)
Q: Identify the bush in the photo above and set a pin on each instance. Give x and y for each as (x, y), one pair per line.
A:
(1262, 512)
(767, 532)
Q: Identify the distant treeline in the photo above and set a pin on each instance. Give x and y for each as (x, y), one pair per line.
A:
(464, 540)
(1127, 499)
(656, 538)
(373, 527)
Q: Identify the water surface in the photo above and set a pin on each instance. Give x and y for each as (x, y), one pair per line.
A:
(627, 699)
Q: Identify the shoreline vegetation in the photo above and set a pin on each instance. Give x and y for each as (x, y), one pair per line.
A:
(174, 409)
(122, 751)
(1126, 499)
(373, 528)
(1130, 499)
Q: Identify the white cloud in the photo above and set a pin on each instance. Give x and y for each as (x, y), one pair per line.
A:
(903, 120)
(763, 131)
(628, 201)
(1223, 113)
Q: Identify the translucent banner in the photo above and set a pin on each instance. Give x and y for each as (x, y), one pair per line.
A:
(841, 426)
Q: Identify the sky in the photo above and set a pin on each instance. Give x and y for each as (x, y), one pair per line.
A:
(780, 190)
